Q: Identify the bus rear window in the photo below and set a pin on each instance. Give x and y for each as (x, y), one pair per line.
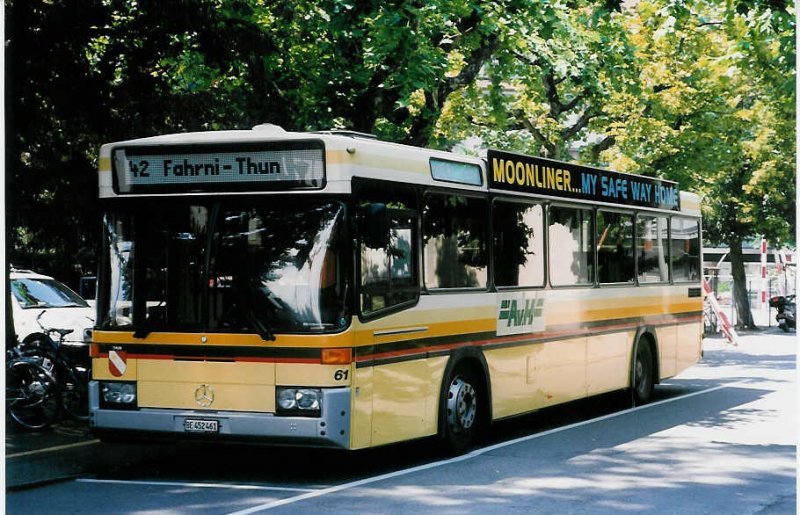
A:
(652, 246)
(685, 245)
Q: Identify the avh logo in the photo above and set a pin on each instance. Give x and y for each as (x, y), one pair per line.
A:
(519, 313)
(521, 316)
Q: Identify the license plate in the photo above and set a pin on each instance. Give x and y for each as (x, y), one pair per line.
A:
(201, 426)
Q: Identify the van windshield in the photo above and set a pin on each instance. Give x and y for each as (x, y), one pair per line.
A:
(45, 293)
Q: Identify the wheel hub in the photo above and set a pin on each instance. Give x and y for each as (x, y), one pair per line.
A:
(461, 406)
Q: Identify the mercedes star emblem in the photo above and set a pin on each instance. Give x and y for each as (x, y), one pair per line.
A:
(204, 395)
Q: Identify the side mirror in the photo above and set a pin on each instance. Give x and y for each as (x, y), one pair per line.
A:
(375, 226)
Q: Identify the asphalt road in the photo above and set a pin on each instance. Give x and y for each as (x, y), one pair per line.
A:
(720, 438)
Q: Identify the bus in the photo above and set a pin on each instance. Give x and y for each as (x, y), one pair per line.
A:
(328, 289)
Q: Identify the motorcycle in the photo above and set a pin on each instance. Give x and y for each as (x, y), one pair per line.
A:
(787, 311)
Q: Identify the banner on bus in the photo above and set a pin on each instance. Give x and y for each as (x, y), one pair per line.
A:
(529, 174)
(230, 167)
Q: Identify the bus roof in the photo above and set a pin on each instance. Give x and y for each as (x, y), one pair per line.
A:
(342, 156)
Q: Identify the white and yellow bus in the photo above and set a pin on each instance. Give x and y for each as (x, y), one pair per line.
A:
(329, 289)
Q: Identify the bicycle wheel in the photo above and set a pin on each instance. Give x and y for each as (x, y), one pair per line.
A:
(31, 395)
(710, 321)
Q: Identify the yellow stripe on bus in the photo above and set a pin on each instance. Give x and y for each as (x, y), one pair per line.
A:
(577, 311)
(226, 339)
(104, 164)
(420, 324)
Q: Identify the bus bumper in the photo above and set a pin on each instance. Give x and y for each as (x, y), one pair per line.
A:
(331, 429)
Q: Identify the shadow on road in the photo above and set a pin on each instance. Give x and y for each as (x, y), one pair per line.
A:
(315, 468)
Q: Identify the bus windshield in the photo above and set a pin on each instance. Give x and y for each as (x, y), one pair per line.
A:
(243, 265)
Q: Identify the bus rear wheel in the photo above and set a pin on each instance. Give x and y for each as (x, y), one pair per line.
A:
(463, 410)
(642, 380)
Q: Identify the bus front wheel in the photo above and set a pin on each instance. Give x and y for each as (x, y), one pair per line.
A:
(463, 410)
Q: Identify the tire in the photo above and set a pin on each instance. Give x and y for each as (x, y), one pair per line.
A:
(463, 410)
(32, 396)
(642, 375)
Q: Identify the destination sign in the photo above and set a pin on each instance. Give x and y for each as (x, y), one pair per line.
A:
(144, 169)
(517, 172)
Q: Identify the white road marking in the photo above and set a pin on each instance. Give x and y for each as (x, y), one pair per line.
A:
(194, 485)
(465, 457)
(53, 449)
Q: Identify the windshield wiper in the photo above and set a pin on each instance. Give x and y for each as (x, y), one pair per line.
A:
(142, 330)
(264, 330)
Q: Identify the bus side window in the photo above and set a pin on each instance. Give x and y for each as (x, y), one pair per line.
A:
(456, 242)
(388, 265)
(615, 253)
(571, 244)
(518, 244)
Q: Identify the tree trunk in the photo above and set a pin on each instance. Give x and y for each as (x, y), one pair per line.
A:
(10, 220)
(740, 297)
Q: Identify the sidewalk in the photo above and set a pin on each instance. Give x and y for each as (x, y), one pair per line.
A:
(59, 452)
(64, 451)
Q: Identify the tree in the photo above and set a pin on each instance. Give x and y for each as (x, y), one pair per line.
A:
(50, 181)
(81, 73)
(700, 91)
(544, 91)
(716, 113)
(380, 67)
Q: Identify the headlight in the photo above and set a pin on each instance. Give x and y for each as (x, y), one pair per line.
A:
(118, 394)
(298, 401)
(308, 399)
(287, 398)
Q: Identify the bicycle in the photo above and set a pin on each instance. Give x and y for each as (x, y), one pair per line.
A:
(71, 379)
(710, 321)
(32, 394)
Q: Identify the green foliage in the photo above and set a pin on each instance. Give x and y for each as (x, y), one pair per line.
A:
(545, 90)
(81, 73)
(716, 112)
(700, 91)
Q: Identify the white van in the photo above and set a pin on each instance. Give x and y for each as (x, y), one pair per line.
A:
(35, 296)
